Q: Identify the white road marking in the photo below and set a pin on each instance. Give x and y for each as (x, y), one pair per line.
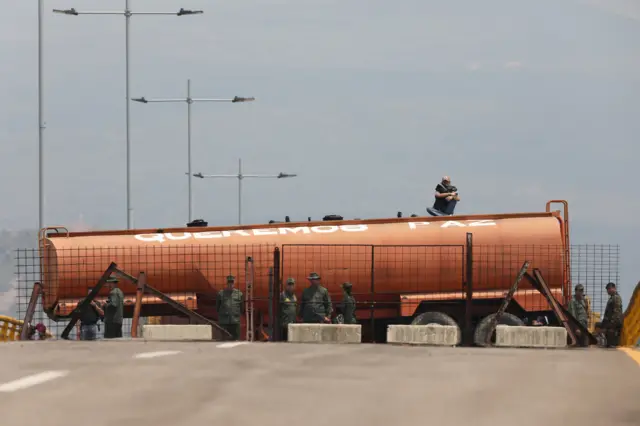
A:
(35, 379)
(229, 345)
(156, 354)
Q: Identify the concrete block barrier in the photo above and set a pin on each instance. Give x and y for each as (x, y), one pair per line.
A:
(177, 332)
(531, 337)
(432, 334)
(325, 333)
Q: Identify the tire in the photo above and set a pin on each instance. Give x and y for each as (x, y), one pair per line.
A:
(480, 333)
(439, 318)
(427, 318)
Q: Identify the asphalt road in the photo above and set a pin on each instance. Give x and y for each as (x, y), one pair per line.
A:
(136, 383)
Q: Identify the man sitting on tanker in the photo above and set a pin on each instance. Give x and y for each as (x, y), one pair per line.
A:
(315, 304)
(446, 198)
(230, 306)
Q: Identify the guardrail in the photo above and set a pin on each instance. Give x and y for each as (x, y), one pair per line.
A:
(10, 329)
(631, 322)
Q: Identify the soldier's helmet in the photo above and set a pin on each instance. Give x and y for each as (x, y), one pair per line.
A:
(291, 281)
(579, 287)
(608, 286)
(231, 278)
(346, 285)
(313, 276)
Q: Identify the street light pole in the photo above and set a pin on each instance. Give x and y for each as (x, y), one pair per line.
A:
(127, 32)
(189, 100)
(40, 120)
(240, 191)
(240, 176)
(127, 13)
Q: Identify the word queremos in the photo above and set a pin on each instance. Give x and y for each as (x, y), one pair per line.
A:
(321, 229)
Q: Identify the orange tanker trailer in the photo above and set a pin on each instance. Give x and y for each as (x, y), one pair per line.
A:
(400, 268)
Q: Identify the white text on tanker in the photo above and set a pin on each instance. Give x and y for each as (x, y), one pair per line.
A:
(322, 229)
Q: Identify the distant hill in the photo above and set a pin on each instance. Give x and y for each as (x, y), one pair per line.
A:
(10, 241)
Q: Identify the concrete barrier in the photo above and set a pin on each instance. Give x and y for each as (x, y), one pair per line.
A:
(177, 332)
(325, 333)
(432, 334)
(531, 337)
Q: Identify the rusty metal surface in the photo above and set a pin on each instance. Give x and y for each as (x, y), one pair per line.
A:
(531, 299)
(75, 316)
(28, 317)
(434, 219)
(555, 306)
(197, 257)
(218, 332)
(563, 316)
(187, 298)
(142, 282)
(572, 326)
(505, 302)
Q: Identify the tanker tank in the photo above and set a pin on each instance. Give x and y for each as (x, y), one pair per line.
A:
(408, 256)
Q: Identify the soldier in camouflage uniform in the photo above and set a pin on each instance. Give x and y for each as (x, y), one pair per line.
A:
(612, 321)
(348, 305)
(315, 305)
(113, 310)
(230, 306)
(288, 308)
(579, 310)
(578, 306)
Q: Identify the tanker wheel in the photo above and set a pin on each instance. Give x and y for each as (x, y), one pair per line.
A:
(427, 318)
(480, 334)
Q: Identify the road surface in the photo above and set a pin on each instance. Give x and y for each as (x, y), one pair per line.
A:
(127, 383)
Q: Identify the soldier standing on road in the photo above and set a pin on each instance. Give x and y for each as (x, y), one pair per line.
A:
(315, 306)
(578, 306)
(288, 308)
(230, 306)
(579, 310)
(612, 321)
(89, 320)
(348, 304)
(113, 311)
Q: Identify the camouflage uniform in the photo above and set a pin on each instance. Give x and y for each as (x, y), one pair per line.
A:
(230, 306)
(288, 310)
(578, 308)
(113, 312)
(315, 304)
(348, 305)
(612, 321)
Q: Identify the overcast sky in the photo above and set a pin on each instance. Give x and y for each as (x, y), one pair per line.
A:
(369, 101)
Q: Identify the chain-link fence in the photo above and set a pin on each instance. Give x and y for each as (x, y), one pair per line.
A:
(390, 283)
(190, 275)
